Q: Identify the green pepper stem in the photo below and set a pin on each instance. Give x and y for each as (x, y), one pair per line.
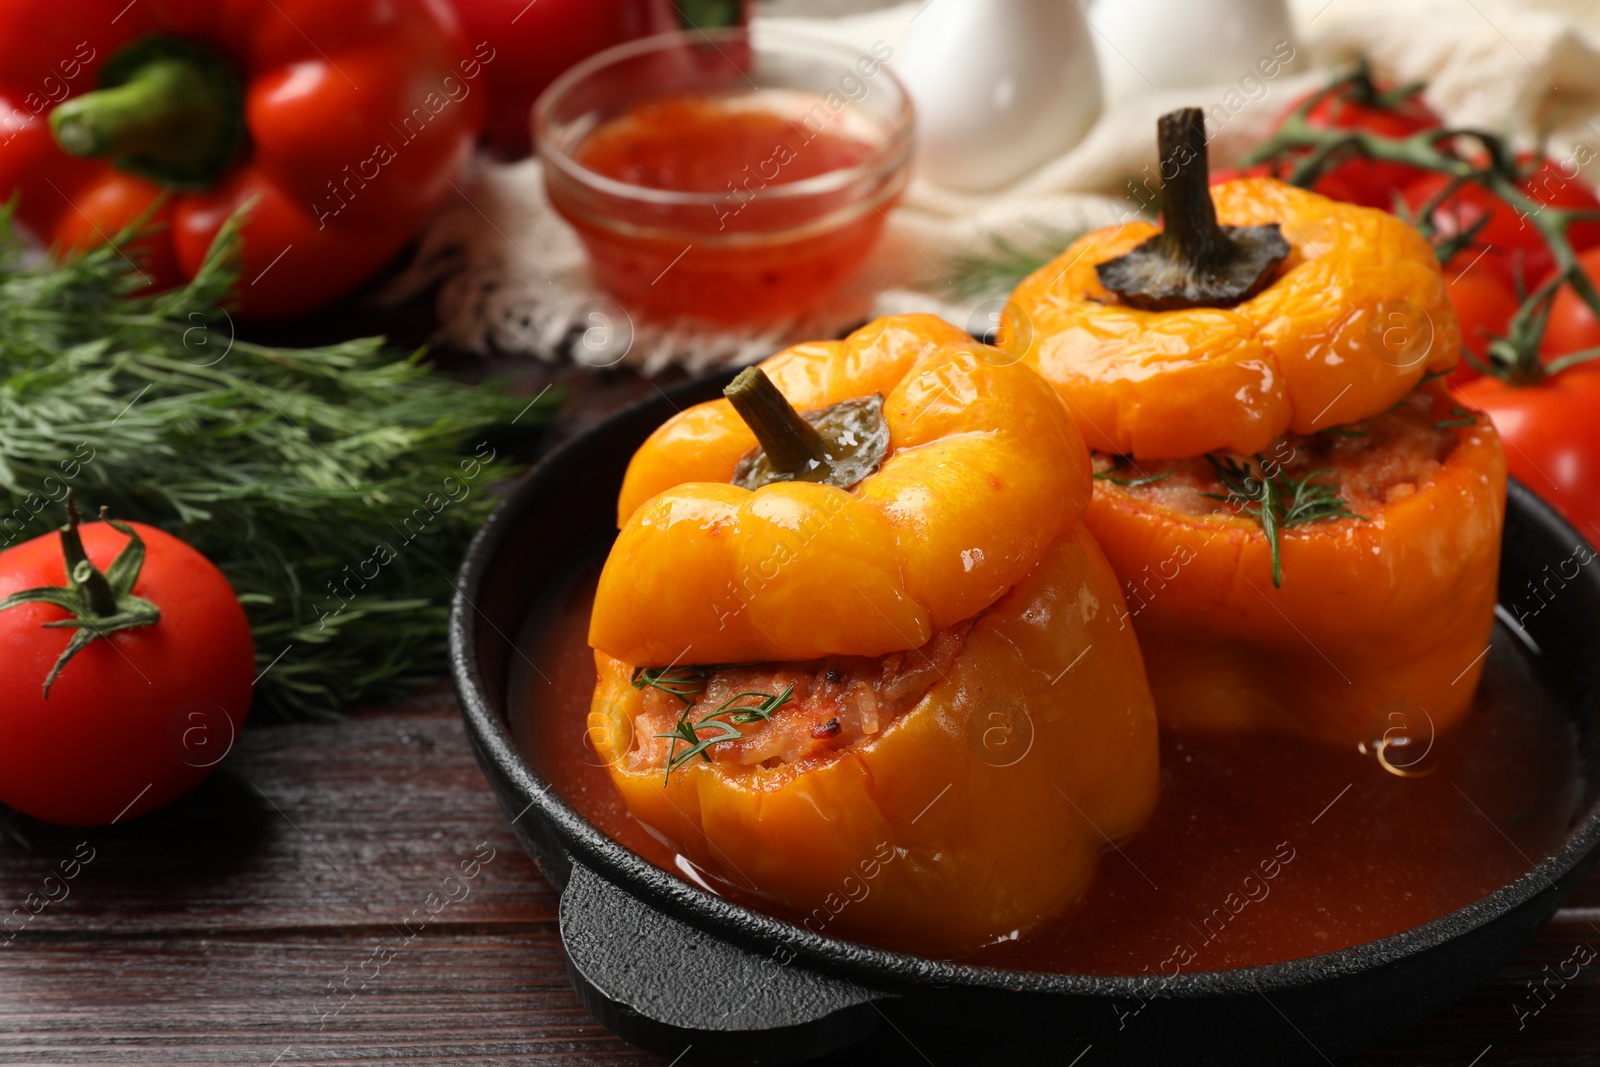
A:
(144, 115)
(167, 110)
(790, 442)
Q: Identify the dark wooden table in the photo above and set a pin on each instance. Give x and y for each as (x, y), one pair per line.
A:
(259, 921)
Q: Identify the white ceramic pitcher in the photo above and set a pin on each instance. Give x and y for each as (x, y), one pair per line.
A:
(1000, 87)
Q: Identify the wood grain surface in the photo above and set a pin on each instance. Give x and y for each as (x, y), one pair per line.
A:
(263, 920)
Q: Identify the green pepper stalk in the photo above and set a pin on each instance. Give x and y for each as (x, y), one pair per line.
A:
(167, 110)
(837, 445)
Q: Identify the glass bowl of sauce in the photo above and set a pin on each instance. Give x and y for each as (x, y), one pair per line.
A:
(734, 177)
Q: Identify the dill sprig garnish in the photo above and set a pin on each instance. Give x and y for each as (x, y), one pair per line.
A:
(1278, 502)
(688, 731)
(288, 468)
(685, 682)
(1120, 463)
(1463, 417)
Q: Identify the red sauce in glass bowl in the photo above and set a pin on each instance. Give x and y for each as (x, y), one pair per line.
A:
(761, 248)
(1262, 849)
(735, 186)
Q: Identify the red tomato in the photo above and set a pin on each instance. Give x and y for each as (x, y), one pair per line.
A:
(1572, 326)
(1371, 183)
(293, 266)
(534, 42)
(137, 717)
(1551, 445)
(1484, 305)
(1515, 245)
(1255, 170)
(1329, 185)
(104, 209)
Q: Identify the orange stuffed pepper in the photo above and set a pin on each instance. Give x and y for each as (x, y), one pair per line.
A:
(1307, 528)
(1385, 604)
(1348, 318)
(839, 652)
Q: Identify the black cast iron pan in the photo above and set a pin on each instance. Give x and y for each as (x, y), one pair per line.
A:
(670, 967)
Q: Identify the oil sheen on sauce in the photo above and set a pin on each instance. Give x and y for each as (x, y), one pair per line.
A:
(697, 144)
(1261, 849)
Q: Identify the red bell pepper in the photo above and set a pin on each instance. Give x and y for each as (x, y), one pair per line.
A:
(342, 121)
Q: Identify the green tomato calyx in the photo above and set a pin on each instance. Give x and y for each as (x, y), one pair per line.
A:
(98, 603)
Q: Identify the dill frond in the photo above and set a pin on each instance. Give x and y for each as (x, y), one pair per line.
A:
(1278, 501)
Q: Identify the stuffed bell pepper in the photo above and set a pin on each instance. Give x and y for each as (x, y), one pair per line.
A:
(1306, 525)
(865, 663)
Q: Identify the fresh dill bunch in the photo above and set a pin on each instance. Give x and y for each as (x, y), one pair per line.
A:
(1278, 501)
(336, 487)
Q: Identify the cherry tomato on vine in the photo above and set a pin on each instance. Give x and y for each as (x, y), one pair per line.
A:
(1515, 246)
(131, 703)
(1552, 439)
(1572, 326)
(1369, 182)
(1484, 304)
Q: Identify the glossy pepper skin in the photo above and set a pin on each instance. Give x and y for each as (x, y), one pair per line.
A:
(359, 114)
(932, 837)
(1358, 314)
(1379, 623)
(985, 469)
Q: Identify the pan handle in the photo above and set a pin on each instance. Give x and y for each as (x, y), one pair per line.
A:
(682, 993)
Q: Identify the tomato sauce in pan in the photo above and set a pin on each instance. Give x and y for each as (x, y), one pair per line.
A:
(1262, 849)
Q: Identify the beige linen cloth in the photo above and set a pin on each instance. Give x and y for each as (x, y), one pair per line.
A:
(512, 277)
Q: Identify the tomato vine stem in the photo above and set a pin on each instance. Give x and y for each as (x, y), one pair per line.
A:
(1310, 151)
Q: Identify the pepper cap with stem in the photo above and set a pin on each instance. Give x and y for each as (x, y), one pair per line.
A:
(838, 445)
(99, 603)
(1194, 261)
(166, 110)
